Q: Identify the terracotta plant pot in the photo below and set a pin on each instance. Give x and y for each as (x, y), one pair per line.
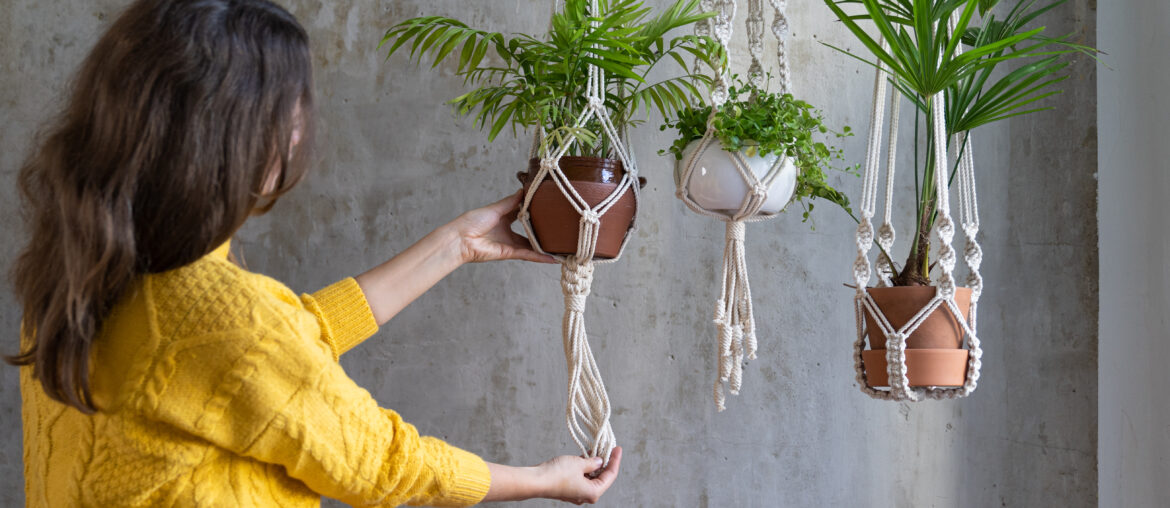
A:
(933, 354)
(556, 223)
(716, 184)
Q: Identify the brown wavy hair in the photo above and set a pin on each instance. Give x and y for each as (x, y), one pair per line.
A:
(180, 125)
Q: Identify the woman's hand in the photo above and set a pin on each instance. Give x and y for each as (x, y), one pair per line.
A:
(486, 234)
(580, 481)
(567, 478)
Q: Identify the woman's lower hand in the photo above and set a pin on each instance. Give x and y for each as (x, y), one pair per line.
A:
(486, 234)
(567, 478)
(579, 480)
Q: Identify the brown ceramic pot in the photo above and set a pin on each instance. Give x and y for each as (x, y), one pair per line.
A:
(556, 223)
(900, 303)
(933, 354)
(924, 367)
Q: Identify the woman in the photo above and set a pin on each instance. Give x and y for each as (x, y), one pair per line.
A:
(157, 372)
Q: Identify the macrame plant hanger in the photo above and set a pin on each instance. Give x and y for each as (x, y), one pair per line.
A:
(733, 310)
(944, 298)
(588, 411)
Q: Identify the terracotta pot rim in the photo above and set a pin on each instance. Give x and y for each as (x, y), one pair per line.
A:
(604, 164)
(600, 160)
(895, 288)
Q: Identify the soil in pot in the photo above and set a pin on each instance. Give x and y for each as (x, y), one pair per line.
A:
(556, 223)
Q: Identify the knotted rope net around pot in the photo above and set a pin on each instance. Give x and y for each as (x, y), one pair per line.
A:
(588, 412)
(944, 298)
(736, 339)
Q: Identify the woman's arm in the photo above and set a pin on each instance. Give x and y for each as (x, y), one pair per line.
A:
(483, 234)
(564, 478)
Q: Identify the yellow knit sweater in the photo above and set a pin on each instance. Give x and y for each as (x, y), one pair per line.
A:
(220, 387)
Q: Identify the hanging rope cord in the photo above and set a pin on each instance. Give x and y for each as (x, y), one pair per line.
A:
(734, 317)
(588, 410)
(944, 226)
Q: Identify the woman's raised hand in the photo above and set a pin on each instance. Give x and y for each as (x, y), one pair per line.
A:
(486, 234)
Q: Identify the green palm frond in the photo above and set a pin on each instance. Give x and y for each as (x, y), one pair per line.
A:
(523, 81)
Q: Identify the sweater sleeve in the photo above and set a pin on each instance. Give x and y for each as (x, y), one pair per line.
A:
(282, 399)
(343, 314)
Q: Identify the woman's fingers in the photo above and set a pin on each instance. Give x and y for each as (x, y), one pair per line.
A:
(591, 465)
(508, 204)
(609, 474)
(526, 254)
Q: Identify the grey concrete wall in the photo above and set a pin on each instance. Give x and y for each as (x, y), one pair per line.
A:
(1133, 452)
(478, 359)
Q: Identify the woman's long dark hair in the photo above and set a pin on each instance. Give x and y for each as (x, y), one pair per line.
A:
(179, 127)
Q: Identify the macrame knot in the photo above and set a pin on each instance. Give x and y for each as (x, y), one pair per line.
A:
(590, 217)
(576, 277)
(735, 232)
(945, 226)
(946, 286)
(973, 253)
(576, 302)
(548, 164)
(864, 233)
(595, 103)
(759, 191)
(886, 235)
(861, 271)
(780, 26)
(719, 93)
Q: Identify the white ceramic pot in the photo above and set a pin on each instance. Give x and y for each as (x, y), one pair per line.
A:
(717, 186)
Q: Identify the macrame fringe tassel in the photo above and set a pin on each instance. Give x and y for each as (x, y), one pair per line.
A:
(588, 412)
(733, 317)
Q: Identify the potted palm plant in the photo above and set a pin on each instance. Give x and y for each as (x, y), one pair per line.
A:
(761, 126)
(527, 82)
(916, 46)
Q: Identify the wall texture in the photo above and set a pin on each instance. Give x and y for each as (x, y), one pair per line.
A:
(478, 359)
(1135, 240)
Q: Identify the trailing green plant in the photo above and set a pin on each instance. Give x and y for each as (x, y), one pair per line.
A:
(522, 81)
(761, 122)
(921, 62)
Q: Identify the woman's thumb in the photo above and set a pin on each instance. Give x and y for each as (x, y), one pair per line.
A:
(591, 464)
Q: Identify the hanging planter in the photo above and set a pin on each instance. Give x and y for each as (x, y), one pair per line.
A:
(579, 91)
(934, 352)
(921, 334)
(743, 159)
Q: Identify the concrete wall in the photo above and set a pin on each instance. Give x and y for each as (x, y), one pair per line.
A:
(1134, 452)
(478, 359)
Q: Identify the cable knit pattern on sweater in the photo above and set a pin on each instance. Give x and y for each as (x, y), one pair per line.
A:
(219, 387)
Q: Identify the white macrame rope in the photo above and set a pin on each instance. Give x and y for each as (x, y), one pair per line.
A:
(588, 411)
(780, 30)
(886, 233)
(734, 320)
(895, 339)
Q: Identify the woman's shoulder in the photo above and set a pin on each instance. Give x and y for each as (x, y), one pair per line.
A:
(200, 320)
(213, 295)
